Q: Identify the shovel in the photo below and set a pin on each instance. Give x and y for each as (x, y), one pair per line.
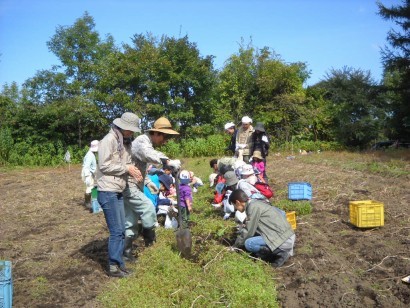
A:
(183, 235)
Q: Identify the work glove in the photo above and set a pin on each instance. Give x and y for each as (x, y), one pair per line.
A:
(265, 139)
(88, 180)
(174, 202)
(175, 164)
(152, 187)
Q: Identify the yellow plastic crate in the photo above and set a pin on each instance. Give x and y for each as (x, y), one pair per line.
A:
(366, 213)
(291, 217)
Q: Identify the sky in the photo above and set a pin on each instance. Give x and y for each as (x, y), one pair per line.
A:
(325, 34)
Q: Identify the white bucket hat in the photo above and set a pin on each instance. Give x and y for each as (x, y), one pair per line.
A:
(128, 121)
(229, 125)
(246, 119)
(247, 170)
(94, 146)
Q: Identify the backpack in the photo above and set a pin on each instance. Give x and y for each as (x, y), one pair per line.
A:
(264, 189)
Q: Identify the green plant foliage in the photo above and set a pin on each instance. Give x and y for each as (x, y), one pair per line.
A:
(301, 207)
(214, 145)
(26, 153)
(217, 277)
(6, 145)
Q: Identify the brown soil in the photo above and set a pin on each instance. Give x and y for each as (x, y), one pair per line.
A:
(59, 250)
(335, 263)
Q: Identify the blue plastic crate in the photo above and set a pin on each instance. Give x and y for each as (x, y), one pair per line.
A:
(95, 207)
(6, 285)
(299, 191)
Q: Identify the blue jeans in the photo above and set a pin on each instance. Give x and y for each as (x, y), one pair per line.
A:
(112, 204)
(253, 244)
(138, 206)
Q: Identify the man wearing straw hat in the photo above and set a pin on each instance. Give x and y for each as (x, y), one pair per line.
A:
(137, 204)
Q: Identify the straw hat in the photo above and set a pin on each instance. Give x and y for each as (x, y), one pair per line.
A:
(163, 125)
(257, 154)
(128, 121)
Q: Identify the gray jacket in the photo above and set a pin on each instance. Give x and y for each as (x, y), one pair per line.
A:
(112, 168)
(267, 221)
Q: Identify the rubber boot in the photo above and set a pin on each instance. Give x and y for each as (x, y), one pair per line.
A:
(128, 254)
(87, 201)
(118, 272)
(265, 254)
(149, 236)
(280, 257)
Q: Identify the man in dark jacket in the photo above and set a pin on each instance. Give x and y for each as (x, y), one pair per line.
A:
(231, 130)
(266, 233)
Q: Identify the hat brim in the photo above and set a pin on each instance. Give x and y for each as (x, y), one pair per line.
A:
(125, 126)
(232, 182)
(247, 173)
(164, 131)
(166, 185)
(94, 149)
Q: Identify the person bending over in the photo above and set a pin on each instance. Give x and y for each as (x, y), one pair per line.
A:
(266, 233)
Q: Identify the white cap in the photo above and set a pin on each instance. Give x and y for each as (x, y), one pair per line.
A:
(246, 119)
(247, 170)
(212, 178)
(229, 125)
(94, 146)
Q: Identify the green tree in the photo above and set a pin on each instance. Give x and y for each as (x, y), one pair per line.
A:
(64, 97)
(237, 89)
(354, 106)
(159, 77)
(396, 60)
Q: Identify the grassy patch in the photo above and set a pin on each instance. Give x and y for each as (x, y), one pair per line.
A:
(390, 163)
(215, 277)
(301, 207)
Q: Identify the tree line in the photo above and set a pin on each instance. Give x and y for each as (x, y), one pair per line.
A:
(96, 81)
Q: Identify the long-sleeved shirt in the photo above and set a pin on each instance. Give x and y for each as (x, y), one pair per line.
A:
(267, 221)
(112, 170)
(143, 153)
(89, 165)
(244, 140)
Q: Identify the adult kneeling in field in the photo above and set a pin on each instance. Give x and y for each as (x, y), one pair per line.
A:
(275, 239)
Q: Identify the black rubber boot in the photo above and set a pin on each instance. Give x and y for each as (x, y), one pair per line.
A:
(87, 201)
(149, 236)
(265, 254)
(128, 254)
(280, 257)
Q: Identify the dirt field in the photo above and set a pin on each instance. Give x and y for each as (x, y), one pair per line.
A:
(58, 249)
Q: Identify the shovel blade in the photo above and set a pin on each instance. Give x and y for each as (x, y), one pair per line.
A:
(184, 242)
